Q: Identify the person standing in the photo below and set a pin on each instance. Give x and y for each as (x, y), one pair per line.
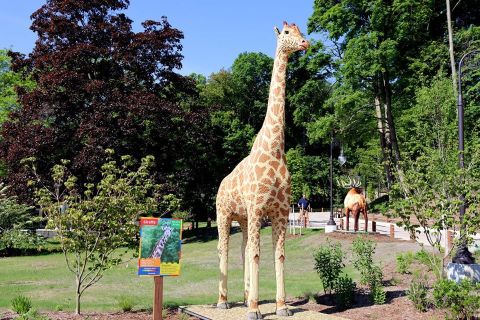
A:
(304, 206)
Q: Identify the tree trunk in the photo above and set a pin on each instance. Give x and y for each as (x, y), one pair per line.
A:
(392, 131)
(383, 143)
(450, 46)
(78, 294)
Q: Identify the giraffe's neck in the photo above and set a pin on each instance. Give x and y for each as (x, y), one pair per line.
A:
(157, 253)
(273, 128)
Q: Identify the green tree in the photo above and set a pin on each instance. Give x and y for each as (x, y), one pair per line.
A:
(95, 221)
(9, 81)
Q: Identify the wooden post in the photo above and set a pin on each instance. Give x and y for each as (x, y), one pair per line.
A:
(392, 231)
(374, 226)
(157, 298)
(449, 240)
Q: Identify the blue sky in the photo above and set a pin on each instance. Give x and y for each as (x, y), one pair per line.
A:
(215, 31)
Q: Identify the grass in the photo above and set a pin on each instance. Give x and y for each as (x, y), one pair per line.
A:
(46, 280)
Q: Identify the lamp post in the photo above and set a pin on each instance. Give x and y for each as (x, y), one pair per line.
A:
(462, 256)
(331, 225)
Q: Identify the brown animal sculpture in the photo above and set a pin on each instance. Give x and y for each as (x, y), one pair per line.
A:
(259, 187)
(355, 203)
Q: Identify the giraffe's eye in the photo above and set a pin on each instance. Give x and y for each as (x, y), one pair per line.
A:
(286, 31)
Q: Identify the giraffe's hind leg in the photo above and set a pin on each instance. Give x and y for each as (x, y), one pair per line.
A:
(245, 261)
(223, 225)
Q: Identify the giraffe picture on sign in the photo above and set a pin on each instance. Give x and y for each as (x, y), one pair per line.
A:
(160, 247)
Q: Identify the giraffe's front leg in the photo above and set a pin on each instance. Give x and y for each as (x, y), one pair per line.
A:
(245, 260)
(279, 229)
(223, 225)
(253, 246)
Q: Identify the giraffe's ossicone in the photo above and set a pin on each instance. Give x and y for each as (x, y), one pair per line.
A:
(259, 187)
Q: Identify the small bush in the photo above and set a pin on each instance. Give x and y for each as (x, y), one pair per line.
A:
(417, 293)
(378, 295)
(21, 304)
(126, 303)
(363, 250)
(344, 292)
(32, 314)
(310, 296)
(328, 264)
(370, 273)
(403, 262)
(462, 300)
(431, 261)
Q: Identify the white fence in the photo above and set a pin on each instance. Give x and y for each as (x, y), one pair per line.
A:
(318, 219)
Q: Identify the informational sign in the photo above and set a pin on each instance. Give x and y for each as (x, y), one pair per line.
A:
(160, 247)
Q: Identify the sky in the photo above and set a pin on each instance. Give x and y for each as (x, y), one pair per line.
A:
(215, 31)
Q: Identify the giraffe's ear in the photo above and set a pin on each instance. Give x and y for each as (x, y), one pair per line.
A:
(277, 32)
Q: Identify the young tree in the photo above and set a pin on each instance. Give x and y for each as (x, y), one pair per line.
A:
(95, 221)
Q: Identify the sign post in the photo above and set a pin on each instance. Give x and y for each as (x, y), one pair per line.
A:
(160, 253)
(158, 298)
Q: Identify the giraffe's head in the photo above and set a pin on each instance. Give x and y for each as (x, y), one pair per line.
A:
(290, 39)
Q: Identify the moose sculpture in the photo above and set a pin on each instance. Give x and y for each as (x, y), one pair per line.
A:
(355, 203)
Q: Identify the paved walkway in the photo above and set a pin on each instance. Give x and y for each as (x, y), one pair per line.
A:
(239, 311)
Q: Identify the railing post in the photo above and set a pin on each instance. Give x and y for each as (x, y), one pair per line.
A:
(392, 231)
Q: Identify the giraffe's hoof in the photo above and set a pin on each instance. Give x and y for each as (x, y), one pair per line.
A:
(254, 315)
(223, 305)
(284, 312)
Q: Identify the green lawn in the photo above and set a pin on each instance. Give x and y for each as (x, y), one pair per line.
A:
(46, 280)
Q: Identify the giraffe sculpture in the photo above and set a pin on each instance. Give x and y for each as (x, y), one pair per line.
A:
(167, 232)
(259, 187)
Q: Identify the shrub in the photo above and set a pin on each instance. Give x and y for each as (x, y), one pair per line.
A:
(344, 292)
(126, 303)
(363, 250)
(21, 304)
(403, 262)
(370, 273)
(462, 300)
(378, 295)
(417, 293)
(32, 314)
(328, 264)
(431, 261)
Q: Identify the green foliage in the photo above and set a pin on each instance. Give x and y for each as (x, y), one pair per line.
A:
(344, 289)
(328, 264)
(21, 304)
(94, 221)
(9, 80)
(432, 261)
(370, 273)
(125, 303)
(404, 260)
(184, 215)
(378, 294)
(309, 174)
(32, 314)
(417, 293)
(462, 300)
(15, 220)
